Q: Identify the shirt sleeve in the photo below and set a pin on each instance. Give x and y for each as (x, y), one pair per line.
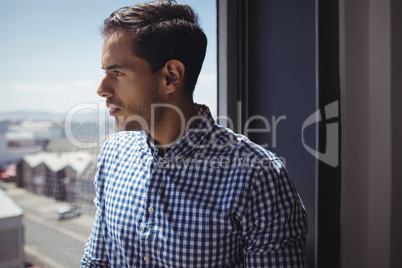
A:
(275, 221)
(95, 254)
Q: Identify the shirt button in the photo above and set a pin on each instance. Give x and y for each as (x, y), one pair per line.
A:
(151, 210)
(146, 258)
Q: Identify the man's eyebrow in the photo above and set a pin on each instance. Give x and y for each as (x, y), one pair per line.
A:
(115, 66)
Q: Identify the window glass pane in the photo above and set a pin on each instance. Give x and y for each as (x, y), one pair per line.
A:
(52, 122)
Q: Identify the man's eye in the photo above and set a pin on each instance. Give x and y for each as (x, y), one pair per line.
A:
(118, 73)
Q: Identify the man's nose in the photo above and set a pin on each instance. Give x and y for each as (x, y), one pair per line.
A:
(104, 89)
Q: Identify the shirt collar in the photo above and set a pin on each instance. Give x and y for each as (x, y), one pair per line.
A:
(195, 138)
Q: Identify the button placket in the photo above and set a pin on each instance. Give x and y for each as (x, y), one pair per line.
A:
(150, 209)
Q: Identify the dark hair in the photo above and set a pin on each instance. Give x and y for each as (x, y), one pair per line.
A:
(163, 30)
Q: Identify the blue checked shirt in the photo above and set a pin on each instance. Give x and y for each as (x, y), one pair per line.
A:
(214, 200)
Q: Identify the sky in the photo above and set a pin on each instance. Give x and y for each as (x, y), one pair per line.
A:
(50, 53)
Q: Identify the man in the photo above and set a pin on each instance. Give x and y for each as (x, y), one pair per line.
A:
(175, 189)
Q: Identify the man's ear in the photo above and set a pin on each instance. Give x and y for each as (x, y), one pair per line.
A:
(174, 75)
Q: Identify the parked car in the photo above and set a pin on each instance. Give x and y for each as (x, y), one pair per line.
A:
(68, 212)
(8, 174)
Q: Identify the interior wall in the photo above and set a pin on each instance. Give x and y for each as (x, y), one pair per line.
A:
(354, 51)
(380, 178)
(396, 117)
(371, 67)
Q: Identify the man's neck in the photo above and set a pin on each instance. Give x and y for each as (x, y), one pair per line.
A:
(175, 123)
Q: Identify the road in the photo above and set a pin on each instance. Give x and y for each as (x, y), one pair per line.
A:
(48, 242)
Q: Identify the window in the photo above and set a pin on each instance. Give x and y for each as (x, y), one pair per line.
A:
(50, 72)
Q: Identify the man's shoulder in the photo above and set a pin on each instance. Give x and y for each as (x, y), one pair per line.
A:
(237, 147)
(238, 143)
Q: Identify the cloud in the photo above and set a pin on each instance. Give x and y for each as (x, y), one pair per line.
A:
(26, 88)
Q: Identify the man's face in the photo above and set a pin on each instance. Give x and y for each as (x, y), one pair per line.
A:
(128, 85)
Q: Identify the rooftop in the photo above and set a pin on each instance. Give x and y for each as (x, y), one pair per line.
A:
(8, 207)
(58, 161)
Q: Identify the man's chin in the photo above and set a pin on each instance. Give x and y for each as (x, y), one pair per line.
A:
(129, 126)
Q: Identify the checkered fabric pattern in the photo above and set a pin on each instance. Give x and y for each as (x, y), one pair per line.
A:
(214, 200)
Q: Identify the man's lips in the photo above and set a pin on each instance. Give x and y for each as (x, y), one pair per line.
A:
(113, 109)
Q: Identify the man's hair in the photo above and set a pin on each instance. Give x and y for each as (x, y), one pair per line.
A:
(163, 30)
